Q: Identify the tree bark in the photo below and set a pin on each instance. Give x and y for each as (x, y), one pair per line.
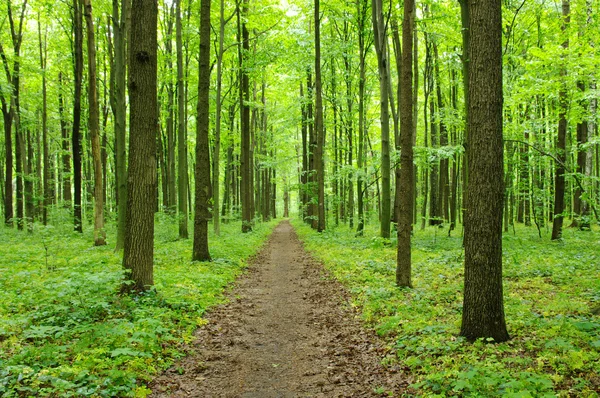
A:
(66, 148)
(47, 193)
(11, 116)
(138, 253)
(319, 129)
(361, 19)
(559, 173)
(94, 127)
(380, 34)
(406, 183)
(202, 169)
(76, 134)
(483, 308)
(182, 133)
(245, 165)
(119, 109)
(218, 116)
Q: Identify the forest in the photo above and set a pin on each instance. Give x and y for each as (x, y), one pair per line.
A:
(299, 198)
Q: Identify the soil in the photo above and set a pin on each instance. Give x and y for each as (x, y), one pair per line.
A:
(287, 330)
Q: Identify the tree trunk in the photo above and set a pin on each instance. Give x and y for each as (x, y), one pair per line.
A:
(559, 174)
(444, 187)
(182, 134)
(303, 192)
(46, 150)
(8, 175)
(143, 121)
(66, 149)
(12, 116)
(483, 308)
(118, 105)
(27, 156)
(380, 35)
(219, 107)
(76, 135)
(94, 127)
(406, 183)
(580, 210)
(245, 166)
(319, 128)
(202, 169)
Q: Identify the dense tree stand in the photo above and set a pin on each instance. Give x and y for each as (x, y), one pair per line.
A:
(284, 333)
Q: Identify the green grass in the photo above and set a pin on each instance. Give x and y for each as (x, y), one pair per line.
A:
(64, 330)
(550, 291)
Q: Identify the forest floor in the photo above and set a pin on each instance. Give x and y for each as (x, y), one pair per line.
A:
(287, 330)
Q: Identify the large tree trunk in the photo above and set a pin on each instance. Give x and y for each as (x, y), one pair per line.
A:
(245, 165)
(202, 169)
(380, 34)
(143, 121)
(76, 135)
(483, 308)
(94, 126)
(559, 173)
(319, 129)
(406, 183)
(118, 104)
(182, 134)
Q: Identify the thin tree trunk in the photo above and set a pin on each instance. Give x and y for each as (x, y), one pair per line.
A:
(444, 188)
(76, 135)
(380, 35)
(8, 176)
(219, 106)
(361, 16)
(559, 176)
(94, 127)
(118, 104)
(319, 128)
(46, 150)
(66, 149)
(182, 135)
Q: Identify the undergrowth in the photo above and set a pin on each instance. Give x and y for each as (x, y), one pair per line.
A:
(64, 330)
(552, 300)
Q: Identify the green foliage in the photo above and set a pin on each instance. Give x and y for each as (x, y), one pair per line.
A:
(64, 330)
(551, 293)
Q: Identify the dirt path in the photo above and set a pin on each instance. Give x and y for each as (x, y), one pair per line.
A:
(286, 332)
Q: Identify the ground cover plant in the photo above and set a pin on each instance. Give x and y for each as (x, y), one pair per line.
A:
(552, 298)
(64, 330)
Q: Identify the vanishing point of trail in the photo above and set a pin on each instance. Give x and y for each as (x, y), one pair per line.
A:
(286, 331)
